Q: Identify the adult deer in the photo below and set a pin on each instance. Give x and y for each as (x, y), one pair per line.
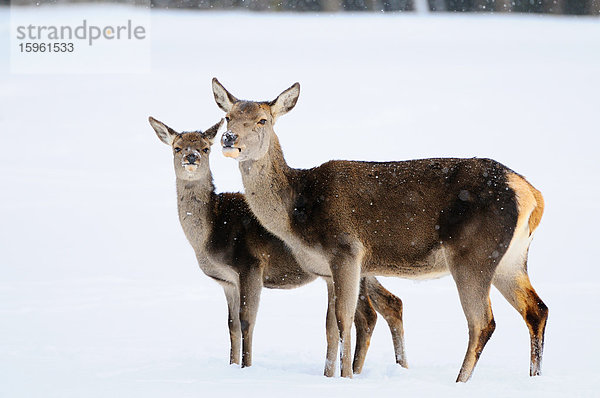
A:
(471, 218)
(237, 252)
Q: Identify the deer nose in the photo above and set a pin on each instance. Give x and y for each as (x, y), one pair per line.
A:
(229, 138)
(191, 158)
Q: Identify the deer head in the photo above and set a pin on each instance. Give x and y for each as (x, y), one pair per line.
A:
(190, 148)
(250, 123)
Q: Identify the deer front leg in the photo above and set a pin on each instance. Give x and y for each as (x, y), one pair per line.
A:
(331, 331)
(250, 289)
(345, 268)
(233, 305)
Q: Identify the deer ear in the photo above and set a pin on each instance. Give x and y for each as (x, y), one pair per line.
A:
(286, 101)
(210, 133)
(223, 97)
(165, 133)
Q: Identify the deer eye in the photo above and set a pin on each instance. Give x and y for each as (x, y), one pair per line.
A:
(262, 121)
(205, 150)
(177, 149)
(227, 118)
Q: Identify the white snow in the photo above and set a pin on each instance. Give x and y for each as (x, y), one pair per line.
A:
(100, 295)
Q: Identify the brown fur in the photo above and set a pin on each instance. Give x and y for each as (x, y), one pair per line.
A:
(415, 219)
(235, 250)
(523, 297)
(390, 308)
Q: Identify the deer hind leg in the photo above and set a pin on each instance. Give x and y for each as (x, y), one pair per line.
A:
(365, 319)
(331, 331)
(390, 307)
(474, 290)
(250, 289)
(235, 333)
(517, 290)
(345, 268)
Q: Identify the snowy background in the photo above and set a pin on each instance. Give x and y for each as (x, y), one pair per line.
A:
(100, 295)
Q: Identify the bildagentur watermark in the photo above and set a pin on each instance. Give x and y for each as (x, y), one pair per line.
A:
(85, 31)
(60, 39)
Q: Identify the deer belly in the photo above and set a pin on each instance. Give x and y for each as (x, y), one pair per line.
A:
(435, 264)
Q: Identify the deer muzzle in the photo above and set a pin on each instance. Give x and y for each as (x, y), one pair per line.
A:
(228, 141)
(189, 162)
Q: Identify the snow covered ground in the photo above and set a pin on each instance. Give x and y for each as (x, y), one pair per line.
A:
(100, 295)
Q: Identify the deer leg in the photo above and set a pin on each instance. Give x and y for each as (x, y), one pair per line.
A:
(250, 289)
(331, 331)
(345, 268)
(474, 290)
(390, 307)
(517, 290)
(365, 319)
(233, 305)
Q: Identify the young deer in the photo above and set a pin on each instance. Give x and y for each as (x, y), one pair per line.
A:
(471, 218)
(236, 251)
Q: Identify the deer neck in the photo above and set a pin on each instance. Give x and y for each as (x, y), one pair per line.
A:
(194, 203)
(268, 188)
